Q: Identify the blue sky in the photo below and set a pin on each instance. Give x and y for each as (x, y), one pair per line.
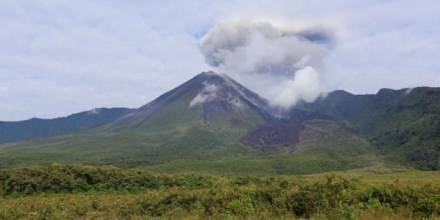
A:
(59, 57)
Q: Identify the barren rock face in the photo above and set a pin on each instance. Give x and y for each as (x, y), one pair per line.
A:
(280, 134)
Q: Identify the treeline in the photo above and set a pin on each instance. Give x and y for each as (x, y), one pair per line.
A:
(71, 179)
(200, 196)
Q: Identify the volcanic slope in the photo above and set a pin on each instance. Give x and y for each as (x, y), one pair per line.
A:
(209, 124)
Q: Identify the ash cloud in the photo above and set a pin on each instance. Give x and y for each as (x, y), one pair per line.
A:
(280, 61)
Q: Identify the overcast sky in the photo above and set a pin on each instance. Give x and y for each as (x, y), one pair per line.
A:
(59, 57)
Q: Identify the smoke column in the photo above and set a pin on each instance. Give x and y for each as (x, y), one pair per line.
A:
(281, 62)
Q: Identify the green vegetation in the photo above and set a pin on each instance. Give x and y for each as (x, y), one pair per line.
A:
(208, 148)
(403, 124)
(68, 179)
(40, 128)
(84, 192)
(175, 132)
(278, 164)
(199, 147)
(169, 135)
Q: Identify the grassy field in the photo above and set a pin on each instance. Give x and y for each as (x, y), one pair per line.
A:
(86, 192)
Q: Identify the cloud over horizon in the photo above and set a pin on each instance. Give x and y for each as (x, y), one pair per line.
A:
(62, 57)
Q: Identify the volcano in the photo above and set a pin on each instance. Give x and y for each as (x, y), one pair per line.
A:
(209, 123)
(205, 98)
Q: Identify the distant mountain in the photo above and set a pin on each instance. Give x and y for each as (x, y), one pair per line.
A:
(39, 128)
(203, 118)
(403, 124)
(210, 123)
(213, 124)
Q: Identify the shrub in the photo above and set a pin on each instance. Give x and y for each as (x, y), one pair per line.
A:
(168, 196)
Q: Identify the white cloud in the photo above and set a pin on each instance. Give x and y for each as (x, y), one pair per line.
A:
(271, 52)
(59, 57)
(208, 93)
(55, 62)
(306, 85)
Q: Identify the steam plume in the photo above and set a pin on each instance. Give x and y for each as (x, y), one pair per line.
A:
(281, 62)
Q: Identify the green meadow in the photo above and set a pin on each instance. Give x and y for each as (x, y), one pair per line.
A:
(88, 192)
